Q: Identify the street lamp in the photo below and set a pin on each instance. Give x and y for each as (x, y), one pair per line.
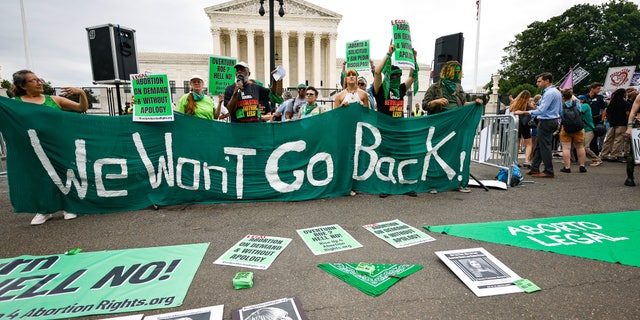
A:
(272, 58)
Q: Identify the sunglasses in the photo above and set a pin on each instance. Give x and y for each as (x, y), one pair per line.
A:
(311, 94)
(361, 84)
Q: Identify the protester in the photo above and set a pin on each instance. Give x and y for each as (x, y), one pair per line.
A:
(351, 93)
(293, 109)
(362, 84)
(388, 90)
(575, 137)
(27, 87)
(616, 114)
(224, 112)
(523, 102)
(598, 105)
(632, 122)
(447, 93)
(311, 108)
(279, 114)
(588, 132)
(547, 114)
(196, 102)
(243, 98)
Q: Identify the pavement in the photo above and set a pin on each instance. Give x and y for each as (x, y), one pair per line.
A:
(572, 288)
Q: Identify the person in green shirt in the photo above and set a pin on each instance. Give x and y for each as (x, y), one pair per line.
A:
(447, 94)
(196, 102)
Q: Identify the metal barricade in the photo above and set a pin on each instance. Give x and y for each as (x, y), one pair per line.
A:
(3, 155)
(496, 142)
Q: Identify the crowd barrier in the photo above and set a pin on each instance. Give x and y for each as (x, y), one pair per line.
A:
(496, 143)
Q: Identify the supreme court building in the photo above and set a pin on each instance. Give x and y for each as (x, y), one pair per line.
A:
(305, 45)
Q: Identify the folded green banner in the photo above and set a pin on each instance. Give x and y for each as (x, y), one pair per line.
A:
(610, 237)
(381, 279)
(63, 286)
(94, 164)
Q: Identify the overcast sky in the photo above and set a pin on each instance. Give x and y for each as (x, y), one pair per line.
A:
(59, 49)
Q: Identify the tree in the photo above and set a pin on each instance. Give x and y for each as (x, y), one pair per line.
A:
(594, 37)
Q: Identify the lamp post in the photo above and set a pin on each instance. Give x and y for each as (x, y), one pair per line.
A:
(272, 59)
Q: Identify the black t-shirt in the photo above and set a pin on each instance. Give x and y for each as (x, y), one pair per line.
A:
(597, 104)
(249, 98)
(394, 106)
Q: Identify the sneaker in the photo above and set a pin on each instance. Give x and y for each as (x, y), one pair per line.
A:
(40, 219)
(464, 189)
(583, 169)
(595, 163)
(412, 194)
(434, 191)
(566, 170)
(69, 216)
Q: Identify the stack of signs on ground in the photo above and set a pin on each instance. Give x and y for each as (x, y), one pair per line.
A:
(208, 313)
(286, 308)
(254, 251)
(103, 282)
(480, 271)
(328, 239)
(398, 233)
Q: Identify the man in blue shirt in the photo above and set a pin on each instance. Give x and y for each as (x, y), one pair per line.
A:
(548, 114)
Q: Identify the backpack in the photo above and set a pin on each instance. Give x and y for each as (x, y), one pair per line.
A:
(572, 118)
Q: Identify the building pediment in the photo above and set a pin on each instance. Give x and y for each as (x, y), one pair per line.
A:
(292, 8)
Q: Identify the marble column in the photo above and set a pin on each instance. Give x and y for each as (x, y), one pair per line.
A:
(301, 58)
(267, 73)
(285, 58)
(331, 64)
(215, 34)
(233, 39)
(251, 48)
(317, 61)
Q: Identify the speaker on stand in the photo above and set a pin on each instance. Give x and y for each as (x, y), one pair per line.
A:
(113, 55)
(447, 48)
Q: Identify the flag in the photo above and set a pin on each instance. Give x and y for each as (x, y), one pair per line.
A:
(568, 81)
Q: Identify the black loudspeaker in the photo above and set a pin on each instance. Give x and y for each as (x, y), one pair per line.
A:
(113, 53)
(447, 48)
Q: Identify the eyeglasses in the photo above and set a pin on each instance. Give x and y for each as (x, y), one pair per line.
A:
(310, 94)
(361, 84)
(36, 80)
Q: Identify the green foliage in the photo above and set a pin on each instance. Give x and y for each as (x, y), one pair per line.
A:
(5, 84)
(526, 86)
(594, 37)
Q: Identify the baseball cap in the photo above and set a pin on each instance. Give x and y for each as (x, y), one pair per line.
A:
(583, 97)
(242, 64)
(196, 76)
(301, 85)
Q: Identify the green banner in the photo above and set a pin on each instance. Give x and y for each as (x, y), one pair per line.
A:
(358, 57)
(221, 74)
(95, 164)
(402, 42)
(152, 98)
(103, 282)
(610, 237)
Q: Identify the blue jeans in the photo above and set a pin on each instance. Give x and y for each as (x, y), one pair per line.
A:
(542, 149)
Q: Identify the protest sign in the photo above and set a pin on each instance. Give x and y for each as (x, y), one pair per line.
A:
(402, 42)
(328, 239)
(253, 251)
(398, 233)
(481, 271)
(618, 77)
(611, 237)
(286, 308)
(152, 98)
(358, 55)
(103, 282)
(221, 74)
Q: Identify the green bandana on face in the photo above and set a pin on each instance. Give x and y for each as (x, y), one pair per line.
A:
(394, 86)
(196, 96)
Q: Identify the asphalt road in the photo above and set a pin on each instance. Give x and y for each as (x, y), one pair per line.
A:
(572, 288)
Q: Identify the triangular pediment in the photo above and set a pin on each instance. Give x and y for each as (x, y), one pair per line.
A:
(292, 8)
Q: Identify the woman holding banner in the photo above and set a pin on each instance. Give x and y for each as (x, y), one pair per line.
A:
(28, 87)
(196, 102)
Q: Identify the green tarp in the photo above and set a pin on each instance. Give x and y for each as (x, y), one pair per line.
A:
(93, 164)
(611, 237)
(103, 282)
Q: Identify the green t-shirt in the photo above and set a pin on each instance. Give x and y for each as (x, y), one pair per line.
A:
(205, 108)
(48, 101)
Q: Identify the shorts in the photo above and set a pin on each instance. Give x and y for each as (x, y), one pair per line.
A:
(575, 137)
(524, 132)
